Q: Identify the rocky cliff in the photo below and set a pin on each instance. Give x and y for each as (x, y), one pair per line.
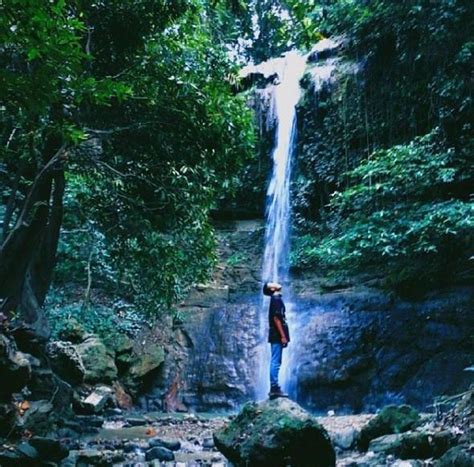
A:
(360, 347)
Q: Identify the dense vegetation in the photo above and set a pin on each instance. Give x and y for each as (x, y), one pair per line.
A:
(122, 129)
(118, 125)
(385, 158)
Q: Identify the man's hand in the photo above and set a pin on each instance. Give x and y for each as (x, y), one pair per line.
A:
(284, 341)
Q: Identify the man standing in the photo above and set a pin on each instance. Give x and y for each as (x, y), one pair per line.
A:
(278, 335)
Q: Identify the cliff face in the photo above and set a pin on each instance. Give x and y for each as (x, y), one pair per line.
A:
(359, 347)
(362, 348)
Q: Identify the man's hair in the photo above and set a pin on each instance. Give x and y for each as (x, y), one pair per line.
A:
(266, 290)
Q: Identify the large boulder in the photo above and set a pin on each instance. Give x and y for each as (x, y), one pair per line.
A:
(457, 456)
(275, 433)
(391, 419)
(414, 445)
(15, 367)
(98, 363)
(122, 345)
(66, 362)
(46, 385)
(143, 367)
(39, 418)
(361, 348)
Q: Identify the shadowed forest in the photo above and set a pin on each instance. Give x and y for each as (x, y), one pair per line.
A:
(138, 139)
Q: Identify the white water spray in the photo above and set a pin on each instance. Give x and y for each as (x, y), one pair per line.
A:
(285, 98)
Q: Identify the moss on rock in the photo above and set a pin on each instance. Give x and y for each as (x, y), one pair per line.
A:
(391, 419)
(275, 433)
(414, 445)
(142, 367)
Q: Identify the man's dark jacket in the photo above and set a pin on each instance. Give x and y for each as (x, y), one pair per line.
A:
(277, 310)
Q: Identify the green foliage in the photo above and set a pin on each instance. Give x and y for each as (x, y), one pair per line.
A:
(419, 171)
(140, 94)
(182, 137)
(236, 259)
(398, 218)
(370, 194)
(105, 320)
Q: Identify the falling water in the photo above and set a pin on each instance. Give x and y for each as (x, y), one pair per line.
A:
(284, 97)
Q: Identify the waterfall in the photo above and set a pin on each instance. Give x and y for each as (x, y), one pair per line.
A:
(284, 96)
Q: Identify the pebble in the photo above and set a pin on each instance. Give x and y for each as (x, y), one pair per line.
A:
(110, 412)
(172, 445)
(159, 453)
(136, 421)
(208, 443)
(132, 446)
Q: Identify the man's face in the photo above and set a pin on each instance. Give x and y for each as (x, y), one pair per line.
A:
(274, 286)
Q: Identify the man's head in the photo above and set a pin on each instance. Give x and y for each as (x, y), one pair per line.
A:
(269, 288)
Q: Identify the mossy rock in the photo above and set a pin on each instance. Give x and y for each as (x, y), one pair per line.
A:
(275, 433)
(98, 363)
(143, 367)
(391, 419)
(73, 331)
(456, 457)
(119, 343)
(122, 346)
(414, 445)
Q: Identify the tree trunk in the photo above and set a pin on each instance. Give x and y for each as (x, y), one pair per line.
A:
(27, 255)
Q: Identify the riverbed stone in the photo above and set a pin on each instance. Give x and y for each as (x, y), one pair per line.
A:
(391, 419)
(414, 445)
(171, 444)
(208, 443)
(49, 449)
(136, 421)
(344, 439)
(89, 457)
(23, 454)
(369, 459)
(97, 399)
(159, 453)
(274, 433)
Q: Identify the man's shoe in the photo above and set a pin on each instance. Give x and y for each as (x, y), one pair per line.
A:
(275, 391)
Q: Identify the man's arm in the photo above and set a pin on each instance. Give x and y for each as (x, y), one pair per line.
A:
(279, 326)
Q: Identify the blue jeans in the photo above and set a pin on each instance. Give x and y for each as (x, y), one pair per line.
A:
(275, 363)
